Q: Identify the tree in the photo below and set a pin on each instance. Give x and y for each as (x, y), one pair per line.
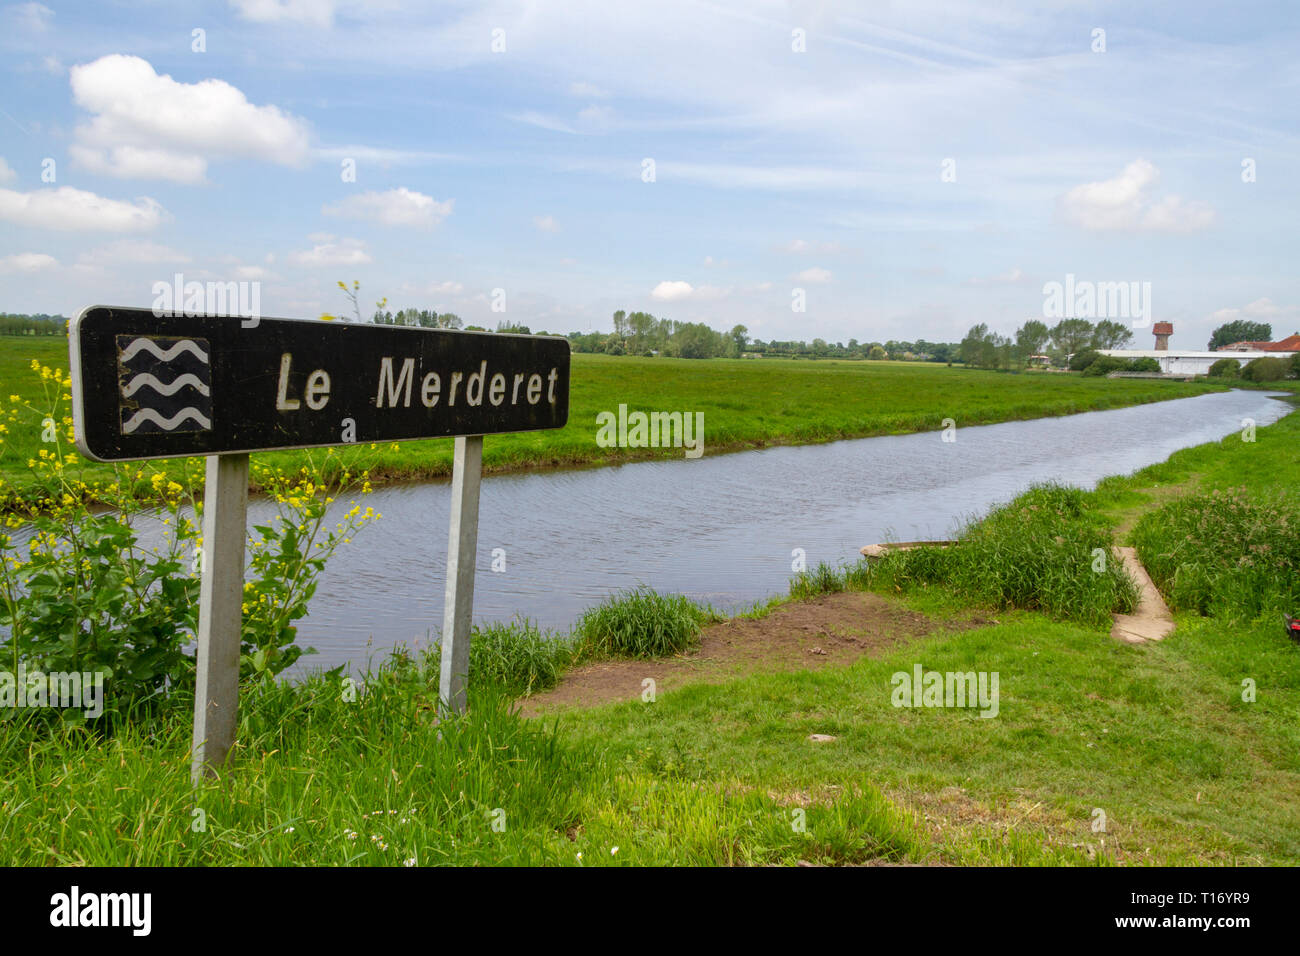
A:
(739, 337)
(1240, 330)
(1109, 334)
(642, 326)
(1225, 368)
(973, 345)
(877, 354)
(1071, 335)
(1080, 361)
(1031, 337)
(1265, 370)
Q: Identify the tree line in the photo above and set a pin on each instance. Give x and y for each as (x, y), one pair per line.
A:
(40, 323)
(640, 333)
(418, 318)
(983, 348)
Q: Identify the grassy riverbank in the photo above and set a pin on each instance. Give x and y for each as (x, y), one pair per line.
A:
(1155, 740)
(745, 404)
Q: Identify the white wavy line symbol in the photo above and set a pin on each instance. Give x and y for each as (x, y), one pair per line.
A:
(164, 355)
(166, 424)
(162, 388)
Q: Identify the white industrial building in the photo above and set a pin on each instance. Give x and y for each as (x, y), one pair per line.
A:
(1173, 362)
(1190, 363)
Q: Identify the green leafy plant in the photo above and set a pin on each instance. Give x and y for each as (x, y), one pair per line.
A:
(1040, 552)
(641, 623)
(1225, 368)
(1225, 553)
(81, 590)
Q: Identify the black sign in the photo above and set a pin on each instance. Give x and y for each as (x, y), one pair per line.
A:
(149, 386)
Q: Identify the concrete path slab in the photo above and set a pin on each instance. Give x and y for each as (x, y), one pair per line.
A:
(1150, 620)
(880, 550)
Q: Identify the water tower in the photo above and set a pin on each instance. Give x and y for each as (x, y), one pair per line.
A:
(1162, 331)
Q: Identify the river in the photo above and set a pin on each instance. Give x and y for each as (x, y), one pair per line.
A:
(722, 528)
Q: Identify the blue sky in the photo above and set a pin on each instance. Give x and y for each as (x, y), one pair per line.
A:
(776, 169)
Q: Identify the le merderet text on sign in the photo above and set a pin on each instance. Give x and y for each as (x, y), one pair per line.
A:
(396, 384)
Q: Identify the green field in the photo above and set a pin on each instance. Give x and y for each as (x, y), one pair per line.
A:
(745, 404)
(1159, 738)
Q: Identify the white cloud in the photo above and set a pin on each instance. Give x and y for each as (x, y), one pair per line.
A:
(672, 291)
(814, 274)
(254, 272)
(534, 118)
(133, 162)
(1012, 276)
(315, 12)
(35, 17)
(447, 287)
(1261, 310)
(546, 224)
(27, 262)
(732, 176)
(803, 247)
(345, 252)
(675, 290)
(52, 64)
(71, 209)
(394, 207)
(595, 115)
(588, 90)
(1125, 203)
(383, 156)
(152, 127)
(7, 174)
(138, 251)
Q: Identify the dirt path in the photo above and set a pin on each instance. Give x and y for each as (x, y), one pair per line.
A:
(1150, 620)
(833, 630)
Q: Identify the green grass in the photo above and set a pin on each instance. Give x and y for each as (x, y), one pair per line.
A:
(515, 656)
(318, 780)
(1162, 738)
(1159, 737)
(1229, 553)
(641, 623)
(1048, 550)
(745, 404)
(1156, 737)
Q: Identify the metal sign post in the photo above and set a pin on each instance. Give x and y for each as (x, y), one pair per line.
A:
(168, 386)
(221, 596)
(462, 548)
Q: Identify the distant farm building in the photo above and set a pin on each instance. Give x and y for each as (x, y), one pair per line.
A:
(1173, 362)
